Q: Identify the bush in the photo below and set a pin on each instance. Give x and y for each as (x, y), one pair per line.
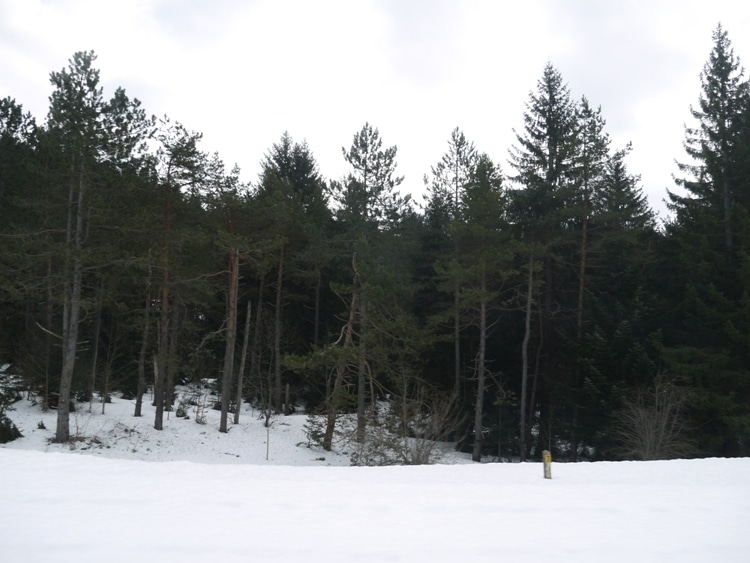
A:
(651, 423)
(404, 432)
(198, 397)
(8, 430)
(181, 411)
(10, 388)
(10, 392)
(315, 429)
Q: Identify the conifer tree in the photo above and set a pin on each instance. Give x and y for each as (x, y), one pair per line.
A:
(542, 206)
(546, 148)
(291, 190)
(447, 188)
(369, 203)
(713, 178)
(21, 227)
(225, 201)
(483, 269)
(179, 166)
(589, 163)
(75, 122)
(706, 287)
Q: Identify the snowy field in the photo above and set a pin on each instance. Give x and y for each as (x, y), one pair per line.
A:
(190, 494)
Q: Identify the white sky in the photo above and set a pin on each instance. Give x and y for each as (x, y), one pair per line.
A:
(242, 72)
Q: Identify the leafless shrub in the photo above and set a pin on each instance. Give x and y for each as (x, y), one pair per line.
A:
(651, 423)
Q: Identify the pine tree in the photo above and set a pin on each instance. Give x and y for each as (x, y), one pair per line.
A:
(179, 166)
(369, 203)
(17, 139)
(75, 122)
(455, 169)
(447, 189)
(370, 198)
(226, 204)
(483, 269)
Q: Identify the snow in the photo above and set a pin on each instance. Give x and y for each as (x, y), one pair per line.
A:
(119, 434)
(189, 493)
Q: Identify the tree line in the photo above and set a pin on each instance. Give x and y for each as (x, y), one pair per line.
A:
(536, 306)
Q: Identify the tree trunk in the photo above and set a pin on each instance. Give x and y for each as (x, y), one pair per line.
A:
(582, 277)
(333, 409)
(255, 348)
(456, 316)
(536, 376)
(105, 387)
(579, 323)
(70, 342)
(243, 357)
(727, 199)
(316, 329)
(72, 304)
(456, 343)
(95, 348)
(160, 377)
(47, 336)
(111, 353)
(479, 408)
(172, 360)
(144, 349)
(160, 382)
(227, 377)
(277, 335)
(362, 372)
(333, 398)
(525, 363)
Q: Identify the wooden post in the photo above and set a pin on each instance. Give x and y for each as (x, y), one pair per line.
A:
(547, 457)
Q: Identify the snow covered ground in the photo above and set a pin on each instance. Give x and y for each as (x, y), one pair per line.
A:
(215, 496)
(120, 435)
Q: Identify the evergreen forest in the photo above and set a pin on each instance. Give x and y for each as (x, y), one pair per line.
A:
(529, 303)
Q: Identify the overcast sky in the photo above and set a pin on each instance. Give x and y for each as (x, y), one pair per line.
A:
(243, 71)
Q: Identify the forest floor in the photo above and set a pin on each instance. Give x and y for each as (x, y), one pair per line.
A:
(118, 434)
(262, 494)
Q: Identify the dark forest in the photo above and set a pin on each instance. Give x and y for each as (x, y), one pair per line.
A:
(530, 304)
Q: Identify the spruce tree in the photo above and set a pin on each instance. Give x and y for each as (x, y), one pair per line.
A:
(291, 191)
(712, 178)
(22, 218)
(542, 209)
(705, 290)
